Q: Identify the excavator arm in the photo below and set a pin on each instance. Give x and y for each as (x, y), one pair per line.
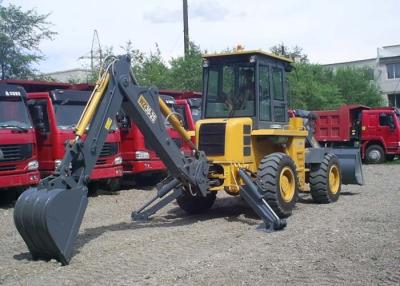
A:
(48, 217)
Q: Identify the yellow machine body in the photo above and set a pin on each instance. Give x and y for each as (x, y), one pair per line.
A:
(245, 148)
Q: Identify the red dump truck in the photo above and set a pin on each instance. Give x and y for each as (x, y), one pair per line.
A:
(55, 108)
(376, 131)
(18, 157)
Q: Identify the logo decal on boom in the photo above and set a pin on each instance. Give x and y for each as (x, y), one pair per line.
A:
(147, 109)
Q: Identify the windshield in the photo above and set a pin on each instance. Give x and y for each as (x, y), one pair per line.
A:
(13, 113)
(67, 115)
(230, 90)
(196, 114)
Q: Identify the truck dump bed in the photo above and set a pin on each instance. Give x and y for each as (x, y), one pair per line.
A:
(338, 125)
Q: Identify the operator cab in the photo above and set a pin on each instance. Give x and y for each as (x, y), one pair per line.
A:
(246, 84)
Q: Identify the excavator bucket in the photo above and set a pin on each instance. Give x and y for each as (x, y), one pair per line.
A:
(49, 221)
(350, 165)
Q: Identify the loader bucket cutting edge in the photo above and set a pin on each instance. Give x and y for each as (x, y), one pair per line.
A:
(49, 221)
(350, 165)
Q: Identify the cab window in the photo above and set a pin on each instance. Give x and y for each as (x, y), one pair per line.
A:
(265, 95)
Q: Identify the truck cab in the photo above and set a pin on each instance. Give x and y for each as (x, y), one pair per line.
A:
(18, 155)
(55, 114)
(380, 131)
(139, 159)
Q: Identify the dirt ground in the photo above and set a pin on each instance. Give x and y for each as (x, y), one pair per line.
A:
(354, 241)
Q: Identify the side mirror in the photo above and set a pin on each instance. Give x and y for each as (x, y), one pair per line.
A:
(392, 126)
(38, 118)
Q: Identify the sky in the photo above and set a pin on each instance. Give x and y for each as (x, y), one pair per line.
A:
(328, 31)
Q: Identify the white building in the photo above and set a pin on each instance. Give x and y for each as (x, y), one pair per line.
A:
(73, 75)
(385, 69)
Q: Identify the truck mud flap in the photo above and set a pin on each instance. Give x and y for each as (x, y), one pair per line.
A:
(49, 221)
(350, 165)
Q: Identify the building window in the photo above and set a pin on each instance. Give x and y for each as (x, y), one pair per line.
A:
(394, 100)
(393, 70)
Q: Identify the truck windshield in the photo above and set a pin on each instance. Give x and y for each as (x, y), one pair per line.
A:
(230, 90)
(68, 114)
(13, 113)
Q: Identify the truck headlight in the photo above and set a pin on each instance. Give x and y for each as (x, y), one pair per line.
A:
(33, 165)
(140, 155)
(118, 160)
(57, 163)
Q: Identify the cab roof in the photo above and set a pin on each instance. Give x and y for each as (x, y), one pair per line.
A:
(247, 53)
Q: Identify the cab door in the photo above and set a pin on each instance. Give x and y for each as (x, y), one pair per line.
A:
(387, 129)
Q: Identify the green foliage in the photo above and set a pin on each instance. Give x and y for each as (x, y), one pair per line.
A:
(186, 72)
(296, 53)
(312, 87)
(20, 35)
(317, 87)
(356, 88)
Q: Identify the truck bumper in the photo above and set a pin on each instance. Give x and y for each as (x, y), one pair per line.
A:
(393, 150)
(106, 173)
(135, 167)
(19, 180)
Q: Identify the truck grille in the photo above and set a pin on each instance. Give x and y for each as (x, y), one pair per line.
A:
(109, 149)
(15, 152)
(212, 138)
(8, 168)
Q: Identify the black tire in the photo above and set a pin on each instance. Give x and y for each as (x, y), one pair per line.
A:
(322, 191)
(196, 204)
(112, 185)
(374, 154)
(268, 178)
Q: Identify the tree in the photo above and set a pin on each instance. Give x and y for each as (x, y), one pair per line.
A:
(356, 87)
(296, 53)
(312, 87)
(20, 35)
(186, 72)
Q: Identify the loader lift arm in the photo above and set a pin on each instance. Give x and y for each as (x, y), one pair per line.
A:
(48, 218)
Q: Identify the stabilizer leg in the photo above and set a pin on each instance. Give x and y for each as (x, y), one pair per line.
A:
(253, 197)
(144, 212)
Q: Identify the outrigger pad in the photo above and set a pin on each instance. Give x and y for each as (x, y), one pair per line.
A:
(49, 221)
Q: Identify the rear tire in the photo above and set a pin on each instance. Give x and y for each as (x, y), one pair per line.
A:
(374, 154)
(325, 180)
(278, 179)
(196, 204)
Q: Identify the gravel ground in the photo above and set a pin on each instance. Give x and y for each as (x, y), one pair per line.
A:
(354, 241)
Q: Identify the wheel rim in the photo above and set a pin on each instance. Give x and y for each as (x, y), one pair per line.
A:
(287, 184)
(375, 155)
(334, 179)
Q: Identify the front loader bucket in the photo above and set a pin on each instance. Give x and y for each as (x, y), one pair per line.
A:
(350, 165)
(49, 221)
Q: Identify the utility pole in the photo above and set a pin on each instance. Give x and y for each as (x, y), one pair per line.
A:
(185, 27)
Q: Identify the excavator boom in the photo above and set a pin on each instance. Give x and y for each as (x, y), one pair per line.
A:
(48, 217)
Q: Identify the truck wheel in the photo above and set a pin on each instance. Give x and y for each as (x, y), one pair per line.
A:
(196, 204)
(112, 185)
(278, 179)
(325, 180)
(374, 154)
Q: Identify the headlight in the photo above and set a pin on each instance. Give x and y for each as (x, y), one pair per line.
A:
(142, 155)
(118, 160)
(33, 165)
(57, 163)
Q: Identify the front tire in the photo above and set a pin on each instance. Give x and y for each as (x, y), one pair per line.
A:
(196, 204)
(278, 179)
(375, 154)
(326, 180)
